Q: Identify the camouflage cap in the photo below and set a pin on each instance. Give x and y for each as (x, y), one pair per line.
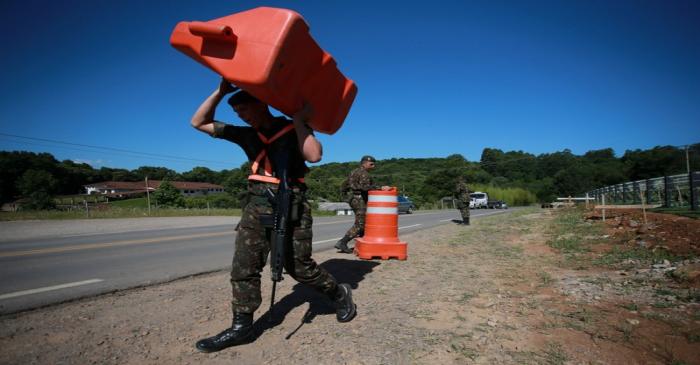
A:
(368, 158)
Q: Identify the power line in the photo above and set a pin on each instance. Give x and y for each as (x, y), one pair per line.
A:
(112, 149)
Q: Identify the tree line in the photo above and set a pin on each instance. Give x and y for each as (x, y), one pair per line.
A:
(35, 176)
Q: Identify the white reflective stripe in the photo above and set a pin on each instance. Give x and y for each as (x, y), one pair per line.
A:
(379, 210)
(382, 198)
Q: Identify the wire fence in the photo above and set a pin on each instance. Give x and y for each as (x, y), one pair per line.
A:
(677, 191)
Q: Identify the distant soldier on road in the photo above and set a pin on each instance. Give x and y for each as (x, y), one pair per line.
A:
(354, 190)
(461, 193)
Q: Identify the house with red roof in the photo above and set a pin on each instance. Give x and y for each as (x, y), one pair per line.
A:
(123, 189)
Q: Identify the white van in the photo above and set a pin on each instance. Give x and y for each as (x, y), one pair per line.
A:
(478, 199)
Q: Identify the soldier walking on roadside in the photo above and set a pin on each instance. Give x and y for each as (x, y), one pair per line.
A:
(461, 193)
(354, 191)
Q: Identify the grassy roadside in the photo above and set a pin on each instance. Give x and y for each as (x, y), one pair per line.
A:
(629, 291)
(584, 244)
(681, 211)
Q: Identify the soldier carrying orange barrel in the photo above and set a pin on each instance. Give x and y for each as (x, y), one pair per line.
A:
(318, 97)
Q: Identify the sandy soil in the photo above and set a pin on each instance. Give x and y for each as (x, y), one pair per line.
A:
(493, 292)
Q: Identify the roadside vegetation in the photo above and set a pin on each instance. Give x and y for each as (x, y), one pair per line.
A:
(33, 180)
(681, 211)
(582, 239)
(637, 278)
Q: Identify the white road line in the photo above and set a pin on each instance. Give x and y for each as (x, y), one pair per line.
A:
(328, 240)
(413, 225)
(334, 222)
(337, 238)
(48, 288)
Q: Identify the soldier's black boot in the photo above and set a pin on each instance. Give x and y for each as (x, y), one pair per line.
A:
(345, 308)
(465, 221)
(342, 245)
(240, 332)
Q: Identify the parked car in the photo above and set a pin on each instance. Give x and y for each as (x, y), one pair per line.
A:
(405, 205)
(478, 200)
(497, 204)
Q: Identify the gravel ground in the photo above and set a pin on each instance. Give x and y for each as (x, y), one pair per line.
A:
(20, 230)
(490, 293)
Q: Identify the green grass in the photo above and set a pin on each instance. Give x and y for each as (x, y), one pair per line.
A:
(512, 196)
(630, 306)
(682, 211)
(465, 351)
(79, 198)
(573, 236)
(617, 255)
(554, 354)
(132, 203)
(545, 278)
(568, 231)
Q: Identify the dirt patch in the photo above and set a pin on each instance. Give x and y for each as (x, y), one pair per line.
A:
(678, 235)
(493, 292)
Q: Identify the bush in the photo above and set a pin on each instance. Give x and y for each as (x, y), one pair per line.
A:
(168, 196)
(223, 201)
(512, 196)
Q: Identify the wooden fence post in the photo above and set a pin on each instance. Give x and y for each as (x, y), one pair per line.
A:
(693, 194)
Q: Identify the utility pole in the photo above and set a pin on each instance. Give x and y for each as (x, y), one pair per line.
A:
(148, 197)
(687, 160)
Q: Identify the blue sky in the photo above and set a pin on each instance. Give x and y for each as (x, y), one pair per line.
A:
(435, 78)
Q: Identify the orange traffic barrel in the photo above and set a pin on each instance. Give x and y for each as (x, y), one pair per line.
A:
(269, 53)
(381, 239)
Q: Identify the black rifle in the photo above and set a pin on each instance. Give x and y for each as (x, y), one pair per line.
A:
(281, 227)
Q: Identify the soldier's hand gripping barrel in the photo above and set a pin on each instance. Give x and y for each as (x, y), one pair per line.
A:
(269, 53)
(381, 239)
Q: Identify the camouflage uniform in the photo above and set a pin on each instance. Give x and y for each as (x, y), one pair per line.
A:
(253, 240)
(355, 190)
(462, 195)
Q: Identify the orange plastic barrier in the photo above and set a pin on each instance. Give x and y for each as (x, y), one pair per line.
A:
(270, 53)
(381, 228)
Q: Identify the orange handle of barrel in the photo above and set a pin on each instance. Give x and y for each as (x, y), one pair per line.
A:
(207, 30)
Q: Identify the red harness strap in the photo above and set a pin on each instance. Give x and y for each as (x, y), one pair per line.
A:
(267, 168)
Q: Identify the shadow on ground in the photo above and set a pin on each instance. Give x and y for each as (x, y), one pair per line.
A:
(344, 270)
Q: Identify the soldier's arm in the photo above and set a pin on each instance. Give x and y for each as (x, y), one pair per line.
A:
(203, 118)
(365, 181)
(309, 146)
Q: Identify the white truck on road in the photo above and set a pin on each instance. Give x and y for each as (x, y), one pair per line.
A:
(478, 199)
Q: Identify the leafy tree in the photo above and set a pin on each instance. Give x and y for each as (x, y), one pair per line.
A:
(110, 174)
(425, 180)
(658, 161)
(574, 180)
(14, 164)
(37, 187)
(154, 173)
(201, 174)
(236, 182)
(168, 196)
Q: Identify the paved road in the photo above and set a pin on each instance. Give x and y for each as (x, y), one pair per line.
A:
(46, 270)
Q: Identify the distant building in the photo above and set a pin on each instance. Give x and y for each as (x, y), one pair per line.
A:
(122, 189)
